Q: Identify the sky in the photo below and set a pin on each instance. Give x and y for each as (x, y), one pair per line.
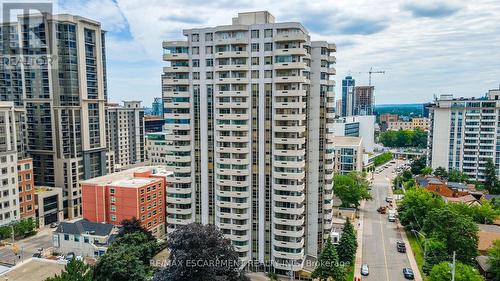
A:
(425, 47)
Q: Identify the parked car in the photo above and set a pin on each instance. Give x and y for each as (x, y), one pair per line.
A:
(54, 225)
(391, 218)
(400, 245)
(69, 256)
(37, 255)
(408, 273)
(388, 199)
(365, 270)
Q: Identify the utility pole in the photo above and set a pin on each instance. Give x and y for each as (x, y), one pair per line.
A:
(453, 269)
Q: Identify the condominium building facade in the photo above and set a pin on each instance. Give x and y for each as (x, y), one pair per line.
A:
(348, 84)
(156, 148)
(249, 106)
(348, 155)
(63, 100)
(125, 130)
(26, 185)
(363, 103)
(464, 133)
(9, 198)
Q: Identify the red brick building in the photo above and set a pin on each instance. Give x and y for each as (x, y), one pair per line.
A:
(26, 186)
(138, 192)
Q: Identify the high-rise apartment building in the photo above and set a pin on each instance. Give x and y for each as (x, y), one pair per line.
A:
(249, 106)
(348, 96)
(157, 107)
(9, 199)
(64, 99)
(156, 148)
(125, 126)
(464, 133)
(363, 102)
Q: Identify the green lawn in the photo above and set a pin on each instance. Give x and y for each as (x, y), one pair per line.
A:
(417, 251)
(350, 275)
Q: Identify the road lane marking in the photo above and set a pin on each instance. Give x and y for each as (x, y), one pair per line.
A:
(383, 248)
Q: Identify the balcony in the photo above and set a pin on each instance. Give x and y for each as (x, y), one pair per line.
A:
(281, 37)
(290, 199)
(226, 41)
(296, 129)
(291, 211)
(233, 183)
(287, 244)
(232, 94)
(290, 233)
(232, 149)
(289, 140)
(177, 105)
(232, 105)
(235, 226)
(232, 138)
(177, 116)
(299, 152)
(179, 211)
(291, 51)
(233, 161)
(176, 56)
(231, 54)
(233, 80)
(177, 126)
(291, 79)
(298, 104)
(293, 176)
(176, 69)
(290, 93)
(234, 216)
(179, 200)
(172, 179)
(290, 65)
(232, 127)
(169, 93)
(233, 172)
(170, 81)
(244, 116)
(178, 137)
(289, 164)
(180, 169)
(290, 117)
(331, 71)
(231, 67)
(290, 222)
(296, 188)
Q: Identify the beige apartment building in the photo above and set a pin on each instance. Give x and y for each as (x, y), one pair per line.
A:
(249, 106)
(421, 123)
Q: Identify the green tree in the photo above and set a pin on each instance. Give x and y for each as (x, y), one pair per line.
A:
(127, 258)
(494, 259)
(415, 205)
(484, 213)
(463, 272)
(417, 165)
(426, 171)
(457, 176)
(491, 182)
(382, 158)
(441, 172)
(134, 225)
(328, 264)
(457, 231)
(411, 183)
(202, 244)
(24, 227)
(351, 188)
(435, 252)
(74, 270)
(348, 244)
(419, 138)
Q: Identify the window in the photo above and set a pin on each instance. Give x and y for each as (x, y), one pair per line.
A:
(77, 238)
(208, 49)
(255, 33)
(268, 47)
(113, 199)
(209, 36)
(209, 62)
(210, 75)
(255, 60)
(255, 74)
(112, 191)
(86, 239)
(195, 50)
(66, 237)
(113, 217)
(196, 63)
(195, 37)
(268, 60)
(255, 47)
(113, 208)
(268, 74)
(196, 76)
(268, 33)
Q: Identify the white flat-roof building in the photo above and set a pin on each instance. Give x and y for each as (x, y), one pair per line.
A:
(249, 105)
(348, 155)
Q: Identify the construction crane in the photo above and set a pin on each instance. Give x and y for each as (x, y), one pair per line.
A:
(372, 72)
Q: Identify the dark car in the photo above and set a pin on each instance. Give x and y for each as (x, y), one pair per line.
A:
(408, 273)
(70, 256)
(401, 247)
(37, 255)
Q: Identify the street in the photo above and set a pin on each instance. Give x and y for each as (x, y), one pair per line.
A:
(380, 235)
(28, 247)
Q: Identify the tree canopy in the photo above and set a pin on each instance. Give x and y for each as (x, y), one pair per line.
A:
(415, 206)
(494, 259)
(417, 165)
(463, 272)
(351, 188)
(328, 265)
(74, 270)
(348, 244)
(200, 252)
(458, 232)
(404, 138)
(491, 182)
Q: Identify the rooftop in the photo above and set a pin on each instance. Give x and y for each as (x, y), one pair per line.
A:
(487, 234)
(33, 270)
(126, 178)
(83, 226)
(340, 141)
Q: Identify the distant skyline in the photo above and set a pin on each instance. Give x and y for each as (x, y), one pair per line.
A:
(426, 47)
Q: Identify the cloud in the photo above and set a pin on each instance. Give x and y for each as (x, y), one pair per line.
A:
(431, 9)
(182, 19)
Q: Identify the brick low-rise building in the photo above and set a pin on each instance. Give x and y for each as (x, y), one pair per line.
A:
(138, 192)
(26, 185)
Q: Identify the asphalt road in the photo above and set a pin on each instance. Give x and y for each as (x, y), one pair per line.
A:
(380, 236)
(28, 247)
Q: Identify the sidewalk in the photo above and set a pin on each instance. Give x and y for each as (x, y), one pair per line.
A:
(359, 237)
